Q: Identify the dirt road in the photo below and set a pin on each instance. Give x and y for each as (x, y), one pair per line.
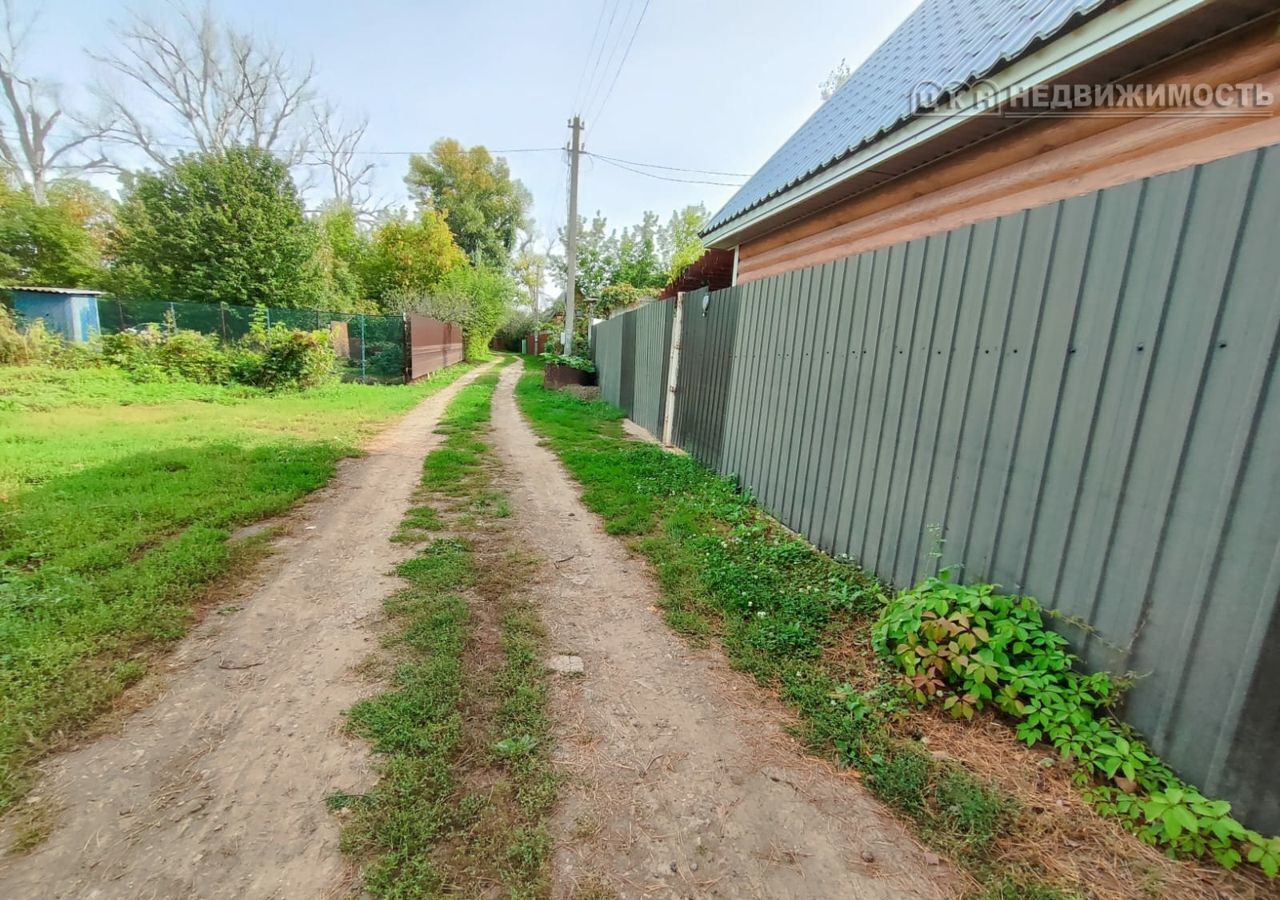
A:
(683, 782)
(217, 788)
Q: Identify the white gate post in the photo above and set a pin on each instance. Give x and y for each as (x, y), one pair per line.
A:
(673, 370)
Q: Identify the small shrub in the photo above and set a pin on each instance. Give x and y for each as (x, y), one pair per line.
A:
(155, 354)
(296, 359)
(581, 363)
(275, 358)
(967, 646)
(30, 345)
(278, 358)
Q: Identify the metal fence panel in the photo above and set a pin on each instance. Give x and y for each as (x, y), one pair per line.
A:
(607, 347)
(632, 353)
(1080, 400)
(706, 369)
(627, 390)
(433, 345)
(652, 355)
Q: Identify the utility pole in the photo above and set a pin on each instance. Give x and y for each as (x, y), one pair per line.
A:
(571, 236)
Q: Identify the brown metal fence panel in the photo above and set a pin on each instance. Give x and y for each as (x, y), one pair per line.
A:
(433, 345)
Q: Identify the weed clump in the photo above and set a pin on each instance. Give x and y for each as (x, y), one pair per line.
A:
(967, 646)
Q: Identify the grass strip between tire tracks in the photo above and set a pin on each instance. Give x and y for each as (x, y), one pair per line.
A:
(465, 778)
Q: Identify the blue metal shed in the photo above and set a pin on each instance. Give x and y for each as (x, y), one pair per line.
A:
(71, 312)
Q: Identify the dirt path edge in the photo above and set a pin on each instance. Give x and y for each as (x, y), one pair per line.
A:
(681, 778)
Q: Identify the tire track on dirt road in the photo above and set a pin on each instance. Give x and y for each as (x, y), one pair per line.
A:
(681, 780)
(217, 788)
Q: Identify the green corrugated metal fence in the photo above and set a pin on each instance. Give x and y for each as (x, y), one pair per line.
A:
(1080, 399)
(632, 352)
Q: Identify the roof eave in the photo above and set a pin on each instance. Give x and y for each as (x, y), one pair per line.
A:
(1092, 39)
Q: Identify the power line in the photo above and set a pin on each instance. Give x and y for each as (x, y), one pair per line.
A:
(169, 145)
(421, 152)
(593, 84)
(612, 160)
(627, 168)
(586, 57)
(632, 162)
(603, 103)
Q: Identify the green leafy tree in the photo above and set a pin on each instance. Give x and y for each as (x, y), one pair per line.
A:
(518, 324)
(342, 250)
(644, 258)
(48, 245)
(529, 266)
(477, 298)
(680, 243)
(620, 296)
(488, 296)
(639, 263)
(218, 227)
(598, 257)
(484, 206)
(409, 256)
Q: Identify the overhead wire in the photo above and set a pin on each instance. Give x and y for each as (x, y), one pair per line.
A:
(586, 58)
(175, 145)
(594, 83)
(191, 146)
(617, 165)
(622, 64)
(645, 165)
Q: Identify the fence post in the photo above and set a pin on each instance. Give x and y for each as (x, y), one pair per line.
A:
(362, 375)
(222, 318)
(408, 349)
(673, 370)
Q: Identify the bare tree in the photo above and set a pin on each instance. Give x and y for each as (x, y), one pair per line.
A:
(30, 111)
(336, 151)
(196, 84)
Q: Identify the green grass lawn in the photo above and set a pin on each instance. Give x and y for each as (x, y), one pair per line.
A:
(117, 500)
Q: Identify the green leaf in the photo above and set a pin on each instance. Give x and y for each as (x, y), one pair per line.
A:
(1185, 818)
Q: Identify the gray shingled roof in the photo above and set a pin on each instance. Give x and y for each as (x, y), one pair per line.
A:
(944, 42)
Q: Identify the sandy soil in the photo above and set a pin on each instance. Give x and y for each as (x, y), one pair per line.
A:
(217, 788)
(681, 779)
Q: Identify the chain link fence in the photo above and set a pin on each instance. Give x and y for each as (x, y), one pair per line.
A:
(369, 348)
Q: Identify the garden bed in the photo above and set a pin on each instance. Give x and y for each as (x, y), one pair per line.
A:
(558, 376)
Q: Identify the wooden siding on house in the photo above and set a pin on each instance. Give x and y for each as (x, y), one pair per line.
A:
(1039, 162)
